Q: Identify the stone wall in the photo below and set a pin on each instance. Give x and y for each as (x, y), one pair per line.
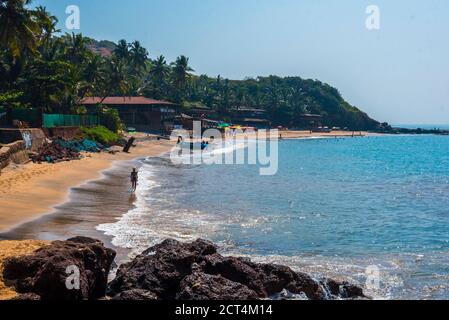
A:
(13, 152)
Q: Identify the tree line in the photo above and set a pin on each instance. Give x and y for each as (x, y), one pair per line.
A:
(42, 69)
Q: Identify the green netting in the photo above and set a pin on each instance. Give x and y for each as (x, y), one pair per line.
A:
(28, 115)
(69, 120)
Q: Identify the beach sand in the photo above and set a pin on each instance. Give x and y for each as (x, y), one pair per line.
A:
(32, 190)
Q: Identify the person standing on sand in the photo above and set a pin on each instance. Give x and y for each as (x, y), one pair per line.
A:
(134, 178)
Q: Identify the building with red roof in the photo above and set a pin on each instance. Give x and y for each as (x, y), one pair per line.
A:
(141, 113)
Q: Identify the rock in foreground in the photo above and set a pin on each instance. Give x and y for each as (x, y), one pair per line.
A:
(195, 271)
(43, 274)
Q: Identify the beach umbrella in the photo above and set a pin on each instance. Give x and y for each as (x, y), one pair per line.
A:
(224, 125)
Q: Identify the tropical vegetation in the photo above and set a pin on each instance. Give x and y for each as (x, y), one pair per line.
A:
(100, 134)
(43, 69)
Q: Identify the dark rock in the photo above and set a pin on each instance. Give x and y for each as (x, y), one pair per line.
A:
(45, 272)
(136, 295)
(195, 271)
(162, 272)
(203, 286)
(84, 240)
(27, 297)
(343, 289)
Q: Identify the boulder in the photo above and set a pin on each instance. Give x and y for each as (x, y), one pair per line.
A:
(203, 286)
(162, 272)
(136, 295)
(47, 271)
(27, 297)
(343, 289)
(195, 271)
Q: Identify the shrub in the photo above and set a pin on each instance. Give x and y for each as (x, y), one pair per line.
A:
(100, 134)
(110, 119)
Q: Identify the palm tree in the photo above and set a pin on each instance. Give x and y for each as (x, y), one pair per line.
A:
(117, 81)
(159, 69)
(19, 29)
(122, 50)
(181, 75)
(94, 74)
(47, 24)
(138, 57)
(156, 81)
(76, 48)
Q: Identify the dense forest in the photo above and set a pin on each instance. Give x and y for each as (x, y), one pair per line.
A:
(42, 69)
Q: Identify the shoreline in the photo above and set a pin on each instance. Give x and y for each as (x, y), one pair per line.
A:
(105, 199)
(31, 191)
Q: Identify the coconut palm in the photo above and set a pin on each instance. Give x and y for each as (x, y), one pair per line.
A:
(94, 74)
(47, 24)
(117, 80)
(159, 69)
(180, 74)
(19, 29)
(156, 81)
(121, 52)
(76, 48)
(138, 57)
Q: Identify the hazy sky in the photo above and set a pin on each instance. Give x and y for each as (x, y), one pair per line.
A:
(398, 74)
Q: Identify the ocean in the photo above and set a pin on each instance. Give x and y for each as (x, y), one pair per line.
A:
(423, 126)
(371, 210)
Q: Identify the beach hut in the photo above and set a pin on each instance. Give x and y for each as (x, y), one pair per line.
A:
(250, 117)
(141, 113)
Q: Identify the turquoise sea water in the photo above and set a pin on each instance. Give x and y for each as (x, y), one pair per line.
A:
(336, 207)
(423, 126)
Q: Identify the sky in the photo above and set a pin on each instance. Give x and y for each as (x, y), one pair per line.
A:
(398, 73)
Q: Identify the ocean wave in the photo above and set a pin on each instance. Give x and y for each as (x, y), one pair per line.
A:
(148, 223)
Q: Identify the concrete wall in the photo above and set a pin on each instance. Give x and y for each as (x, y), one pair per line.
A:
(14, 152)
(63, 132)
(34, 138)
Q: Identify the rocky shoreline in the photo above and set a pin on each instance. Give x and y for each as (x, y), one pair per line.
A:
(78, 269)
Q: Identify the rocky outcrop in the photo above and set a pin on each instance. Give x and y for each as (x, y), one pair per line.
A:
(13, 152)
(195, 271)
(45, 274)
(8, 249)
(168, 271)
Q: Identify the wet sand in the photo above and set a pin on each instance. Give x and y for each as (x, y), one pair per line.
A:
(30, 191)
(89, 205)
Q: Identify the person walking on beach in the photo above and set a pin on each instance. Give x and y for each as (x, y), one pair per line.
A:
(134, 178)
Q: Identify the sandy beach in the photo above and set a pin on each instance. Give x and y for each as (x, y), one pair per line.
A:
(32, 190)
